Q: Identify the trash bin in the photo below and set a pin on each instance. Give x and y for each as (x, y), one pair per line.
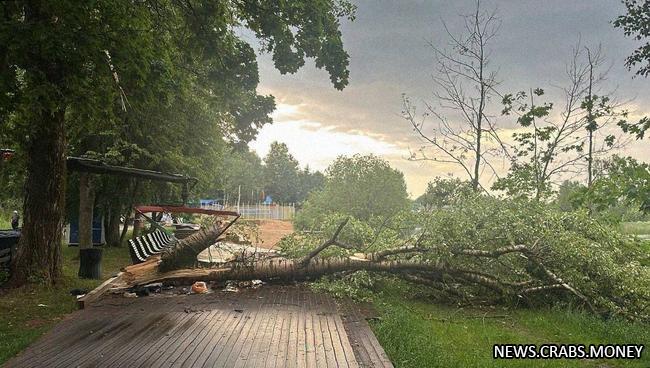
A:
(90, 263)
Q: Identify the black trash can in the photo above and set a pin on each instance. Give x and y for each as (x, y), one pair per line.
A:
(90, 263)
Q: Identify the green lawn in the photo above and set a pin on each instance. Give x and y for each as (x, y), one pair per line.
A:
(5, 221)
(636, 228)
(22, 320)
(420, 334)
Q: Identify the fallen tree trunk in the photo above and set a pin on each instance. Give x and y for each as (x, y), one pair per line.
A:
(168, 267)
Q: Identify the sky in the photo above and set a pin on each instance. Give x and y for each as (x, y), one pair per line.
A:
(390, 55)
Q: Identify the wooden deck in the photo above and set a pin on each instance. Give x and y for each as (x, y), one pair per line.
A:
(274, 326)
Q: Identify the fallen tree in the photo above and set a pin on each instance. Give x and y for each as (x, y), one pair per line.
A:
(508, 255)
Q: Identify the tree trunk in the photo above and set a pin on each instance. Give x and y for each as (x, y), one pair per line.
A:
(86, 204)
(129, 211)
(112, 222)
(591, 124)
(183, 253)
(38, 258)
(89, 257)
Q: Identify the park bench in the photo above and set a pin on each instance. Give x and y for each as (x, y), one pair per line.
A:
(145, 246)
(8, 243)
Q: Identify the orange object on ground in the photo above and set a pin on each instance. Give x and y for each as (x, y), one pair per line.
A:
(199, 287)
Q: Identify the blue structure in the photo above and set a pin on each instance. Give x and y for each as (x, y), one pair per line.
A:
(98, 232)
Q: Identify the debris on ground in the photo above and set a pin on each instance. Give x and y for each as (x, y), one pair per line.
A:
(225, 252)
(141, 291)
(154, 288)
(199, 287)
(77, 292)
(231, 286)
(234, 286)
(129, 295)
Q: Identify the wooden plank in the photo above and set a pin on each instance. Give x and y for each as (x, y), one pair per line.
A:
(87, 339)
(283, 341)
(190, 352)
(216, 339)
(260, 325)
(240, 348)
(310, 343)
(186, 331)
(341, 334)
(290, 349)
(61, 340)
(274, 347)
(337, 348)
(97, 343)
(262, 341)
(141, 322)
(97, 292)
(301, 348)
(327, 338)
(319, 343)
(367, 350)
(125, 353)
(180, 319)
(287, 327)
(218, 358)
(215, 326)
(181, 346)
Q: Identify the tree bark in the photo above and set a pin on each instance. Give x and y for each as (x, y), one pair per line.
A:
(86, 204)
(112, 224)
(89, 257)
(38, 258)
(184, 252)
(129, 211)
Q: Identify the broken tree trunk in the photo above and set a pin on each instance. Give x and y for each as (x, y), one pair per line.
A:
(184, 252)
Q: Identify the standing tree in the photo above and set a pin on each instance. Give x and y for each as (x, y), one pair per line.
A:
(443, 192)
(281, 171)
(635, 23)
(621, 181)
(465, 134)
(309, 181)
(61, 59)
(242, 174)
(358, 186)
(553, 146)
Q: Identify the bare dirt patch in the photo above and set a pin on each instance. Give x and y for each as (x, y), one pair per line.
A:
(271, 231)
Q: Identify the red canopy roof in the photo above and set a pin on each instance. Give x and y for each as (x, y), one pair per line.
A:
(183, 209)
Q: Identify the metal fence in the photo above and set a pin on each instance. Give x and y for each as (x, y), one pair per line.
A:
(260, 211)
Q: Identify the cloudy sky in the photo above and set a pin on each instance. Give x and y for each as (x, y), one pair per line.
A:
(389, 56)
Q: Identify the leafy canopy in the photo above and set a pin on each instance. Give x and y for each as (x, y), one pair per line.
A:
(359, 186)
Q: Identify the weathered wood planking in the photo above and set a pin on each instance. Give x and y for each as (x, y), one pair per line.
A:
(274, 326)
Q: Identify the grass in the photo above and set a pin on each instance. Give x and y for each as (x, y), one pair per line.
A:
(420, 334)
(636, 228)
(28, 312)
(5, 220)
